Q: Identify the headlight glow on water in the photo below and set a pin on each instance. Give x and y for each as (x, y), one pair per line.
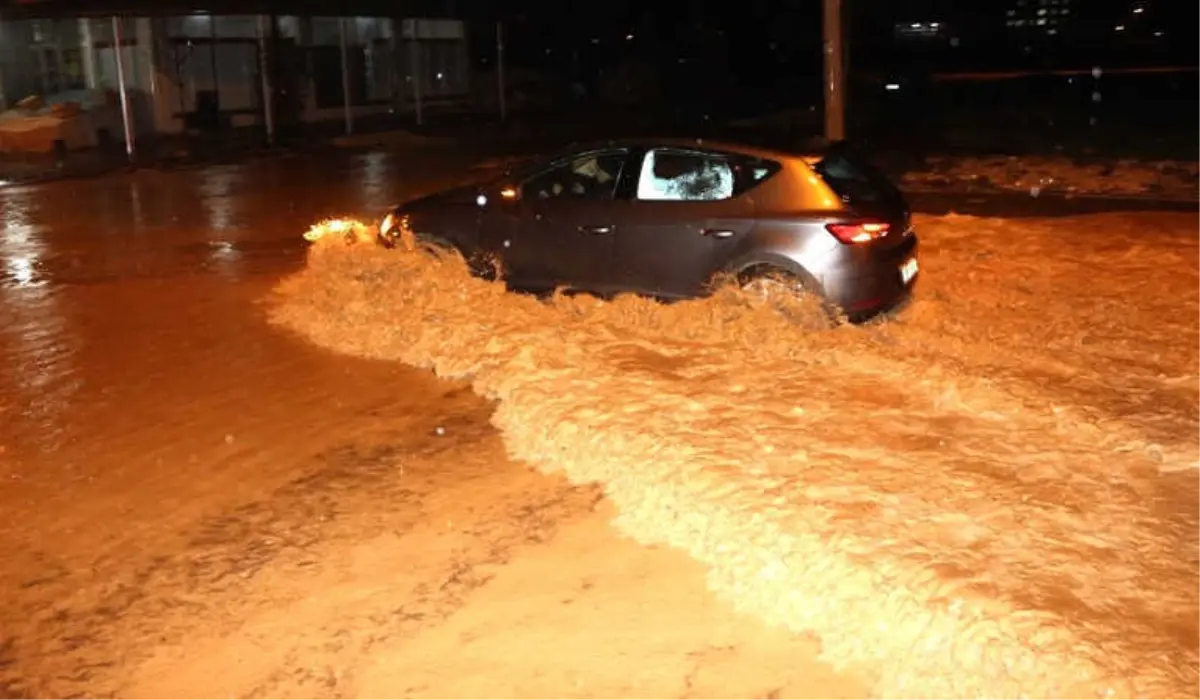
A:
(389, 222)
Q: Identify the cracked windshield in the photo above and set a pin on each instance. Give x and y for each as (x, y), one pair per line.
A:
(817, 349)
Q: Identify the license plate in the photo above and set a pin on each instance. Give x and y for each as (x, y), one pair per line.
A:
(908, 270)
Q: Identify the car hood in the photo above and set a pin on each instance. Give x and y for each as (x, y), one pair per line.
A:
(465, 194)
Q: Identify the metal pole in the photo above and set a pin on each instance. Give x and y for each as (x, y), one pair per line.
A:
(414, 67)
(500, 70)
(345, 75)
(126, 118)
(835, 76)
(264, 69)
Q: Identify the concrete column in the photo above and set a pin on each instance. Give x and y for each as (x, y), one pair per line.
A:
(165, 88)
(87, 49)
(345, 75)
(212, 55)
(394, 88)
(264, 69)
(414, 67)
(43, 78)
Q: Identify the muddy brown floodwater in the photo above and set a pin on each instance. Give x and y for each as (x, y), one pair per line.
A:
(196, 503)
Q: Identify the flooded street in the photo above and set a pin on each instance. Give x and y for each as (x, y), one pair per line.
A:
(992, 495)
(194, 502)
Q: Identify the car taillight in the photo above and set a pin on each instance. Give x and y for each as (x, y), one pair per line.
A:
(861, 232)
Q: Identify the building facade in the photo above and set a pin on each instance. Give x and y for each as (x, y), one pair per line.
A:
(210, 71)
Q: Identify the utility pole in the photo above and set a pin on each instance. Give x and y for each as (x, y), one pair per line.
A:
(500, 70)
(835, 73)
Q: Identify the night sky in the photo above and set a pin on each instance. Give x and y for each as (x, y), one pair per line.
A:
(767, 36)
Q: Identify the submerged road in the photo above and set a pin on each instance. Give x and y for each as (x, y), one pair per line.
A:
(193, 503)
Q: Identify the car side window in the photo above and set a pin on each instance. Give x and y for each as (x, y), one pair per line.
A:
(589, 176)
(684, 176)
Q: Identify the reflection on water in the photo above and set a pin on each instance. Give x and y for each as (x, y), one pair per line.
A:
(226, 260)
(20, 248)
(106, 282)
(91, 269)
(36, 346)
(377, 172)
(22, 271)
(137, 216)
(216, 189)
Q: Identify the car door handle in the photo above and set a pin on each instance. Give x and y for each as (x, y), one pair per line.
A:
(597, 230)
(717, 233)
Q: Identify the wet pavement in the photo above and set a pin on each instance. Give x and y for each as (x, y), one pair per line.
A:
(140, 385)
(189, 494)
(183, 486)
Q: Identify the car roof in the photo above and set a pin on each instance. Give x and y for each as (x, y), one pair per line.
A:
(728, 146)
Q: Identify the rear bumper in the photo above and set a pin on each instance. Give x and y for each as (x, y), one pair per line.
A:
(868, 281)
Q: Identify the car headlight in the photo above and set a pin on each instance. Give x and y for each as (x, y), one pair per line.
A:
(386, 226)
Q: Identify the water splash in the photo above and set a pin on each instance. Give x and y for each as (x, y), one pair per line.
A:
(943, 499)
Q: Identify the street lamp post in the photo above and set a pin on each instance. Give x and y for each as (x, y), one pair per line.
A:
(122, 90)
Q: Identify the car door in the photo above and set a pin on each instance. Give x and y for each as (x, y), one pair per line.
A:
(682, 225)
(563, 233)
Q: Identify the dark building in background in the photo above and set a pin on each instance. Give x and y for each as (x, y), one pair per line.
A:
(1012, 34)
(1034, 20)
(192, 65)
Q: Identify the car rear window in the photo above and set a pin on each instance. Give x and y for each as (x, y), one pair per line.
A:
(749, 173)
(855, 180)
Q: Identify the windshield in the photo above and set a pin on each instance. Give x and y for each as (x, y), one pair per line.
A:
(858, 183)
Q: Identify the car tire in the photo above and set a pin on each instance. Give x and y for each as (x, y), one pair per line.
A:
(478, 264)
(769, 281)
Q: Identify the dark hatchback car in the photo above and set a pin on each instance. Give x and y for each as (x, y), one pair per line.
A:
(668, 218)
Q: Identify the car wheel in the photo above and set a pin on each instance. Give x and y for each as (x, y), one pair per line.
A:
(478, 264)
(790, 294)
